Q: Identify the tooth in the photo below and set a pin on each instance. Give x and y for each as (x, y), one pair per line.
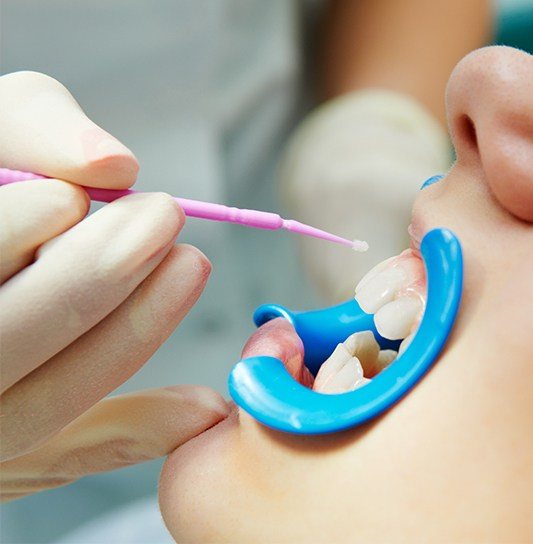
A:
(380, 290)
(339, 373)
(405, 343)
(338, 358)
(385, 358)
(345, 379)
(398, 276)
(332, 365)
(396, 319)
(363, 345)
(361, 382)
(373, 272)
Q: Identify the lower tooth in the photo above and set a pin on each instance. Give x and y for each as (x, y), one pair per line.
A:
(343, 370)
(405, 343)
(339, 373)
(363, 345)
(344, 380)
(361, 382)
(385, 358)
(396, 319)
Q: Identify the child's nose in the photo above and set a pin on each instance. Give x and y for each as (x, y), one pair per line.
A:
(490, 113)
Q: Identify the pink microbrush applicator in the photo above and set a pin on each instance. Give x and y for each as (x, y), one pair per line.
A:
(206, 210)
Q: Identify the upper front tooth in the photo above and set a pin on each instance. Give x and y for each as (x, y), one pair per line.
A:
(396, 319)
(380, 289)
(372, 273)
(394, 278)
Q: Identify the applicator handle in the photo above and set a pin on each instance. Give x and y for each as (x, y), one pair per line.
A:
(204, 210)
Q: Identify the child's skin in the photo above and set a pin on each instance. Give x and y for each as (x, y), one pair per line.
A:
(452, 462)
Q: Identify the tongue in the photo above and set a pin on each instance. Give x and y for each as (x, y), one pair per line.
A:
(278, 339)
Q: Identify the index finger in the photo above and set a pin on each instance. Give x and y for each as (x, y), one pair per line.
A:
(44, 130)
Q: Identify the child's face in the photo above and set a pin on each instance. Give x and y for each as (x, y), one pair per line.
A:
(450, 462)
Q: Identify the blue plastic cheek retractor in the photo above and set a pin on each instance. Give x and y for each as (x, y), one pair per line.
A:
(262, 387)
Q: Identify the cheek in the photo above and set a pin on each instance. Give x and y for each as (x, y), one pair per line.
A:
(218, 487)
(240, 480)
(194, 485)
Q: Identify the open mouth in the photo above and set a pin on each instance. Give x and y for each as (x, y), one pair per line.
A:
(395, 292)
(412, 298)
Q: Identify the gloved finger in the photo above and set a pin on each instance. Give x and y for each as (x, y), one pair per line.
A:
(64, 387)
(116, 432)
(33, 212)
(80, 277)
(277, 338)
(354, 167)
(44, 130)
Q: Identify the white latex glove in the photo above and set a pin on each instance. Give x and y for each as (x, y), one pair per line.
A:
(353, 168)
(84, 303)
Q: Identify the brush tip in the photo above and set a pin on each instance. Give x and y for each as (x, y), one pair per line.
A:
(360, 246)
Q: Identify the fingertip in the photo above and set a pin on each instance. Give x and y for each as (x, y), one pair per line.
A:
(63, 201)
(198, 261)
(19, 81)
(204, 398)
(165, 207)
(112, 172)
(110, 164)
(158, 214)
(42, 115)
(71, 200)
(67, 203)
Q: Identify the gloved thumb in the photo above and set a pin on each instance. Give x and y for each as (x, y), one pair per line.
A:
(117, 432)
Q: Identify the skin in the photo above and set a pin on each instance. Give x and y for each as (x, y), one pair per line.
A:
(452, 461)
(398, 45)
(85, 302)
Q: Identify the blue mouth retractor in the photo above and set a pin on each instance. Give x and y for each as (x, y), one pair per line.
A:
(262, 386)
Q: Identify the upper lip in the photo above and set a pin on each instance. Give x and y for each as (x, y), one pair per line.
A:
(416, 232)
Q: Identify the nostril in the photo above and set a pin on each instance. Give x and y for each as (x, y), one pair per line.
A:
(467, 130)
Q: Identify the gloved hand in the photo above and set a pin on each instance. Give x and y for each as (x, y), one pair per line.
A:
(353, 168)
(84, 302)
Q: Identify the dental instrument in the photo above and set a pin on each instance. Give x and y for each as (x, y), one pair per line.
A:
(262, 386)
(206, 210)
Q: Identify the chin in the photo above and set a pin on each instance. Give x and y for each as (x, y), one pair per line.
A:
(193, 482)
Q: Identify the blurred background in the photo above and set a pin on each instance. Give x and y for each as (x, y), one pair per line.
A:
(163, 78)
